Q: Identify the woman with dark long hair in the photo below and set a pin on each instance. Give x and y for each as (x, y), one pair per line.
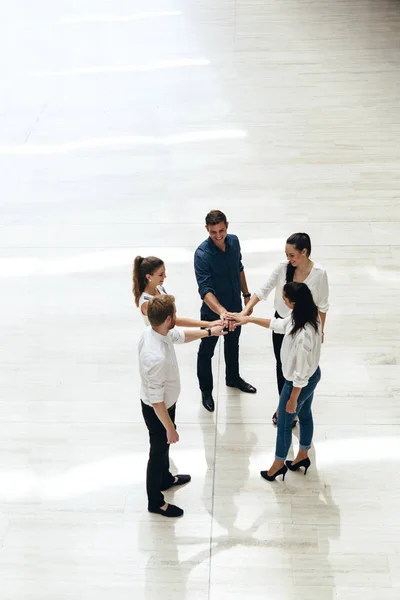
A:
(148, 281)
(300, 354)
(299, 268)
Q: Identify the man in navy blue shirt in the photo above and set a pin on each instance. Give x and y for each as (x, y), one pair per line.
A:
(221, 280)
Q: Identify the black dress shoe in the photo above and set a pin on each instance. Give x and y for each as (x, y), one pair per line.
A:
(170, 511)
(208, 401)
(182, 479)
(243, 386)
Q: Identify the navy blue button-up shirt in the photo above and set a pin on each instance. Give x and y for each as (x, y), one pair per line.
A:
(218, 272)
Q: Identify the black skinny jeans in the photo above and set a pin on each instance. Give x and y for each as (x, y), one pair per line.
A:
(158, 475)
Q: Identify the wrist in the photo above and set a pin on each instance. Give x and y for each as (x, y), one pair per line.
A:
(248, 295)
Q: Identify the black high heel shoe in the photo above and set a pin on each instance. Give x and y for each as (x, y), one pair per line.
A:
(282, 471)
(306, 462)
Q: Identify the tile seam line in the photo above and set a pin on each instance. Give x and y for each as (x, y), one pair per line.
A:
(214, 467)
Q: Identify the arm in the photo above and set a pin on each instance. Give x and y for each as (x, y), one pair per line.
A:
(263, 292)
(323, 300)
(250, 305)
(213, 303)
(191, 336)
(322, 316)
(143, 308)
(277, 325)
(205, 283)
(162, 413)
(245, 291)
(241, 319)
(185, 322)
(299, 379)
(243, 283)
(156, 378)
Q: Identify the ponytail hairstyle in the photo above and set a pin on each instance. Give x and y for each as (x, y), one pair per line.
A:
(141, 268)
(304, 310)
(300, 241)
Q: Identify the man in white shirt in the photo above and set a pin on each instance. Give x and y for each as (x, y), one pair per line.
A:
(160, 388)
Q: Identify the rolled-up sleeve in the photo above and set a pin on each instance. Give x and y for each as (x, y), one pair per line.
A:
(177, 335)
(203, 274)
(280, 325)
(323, 294)
(264, 291)
(154, 373)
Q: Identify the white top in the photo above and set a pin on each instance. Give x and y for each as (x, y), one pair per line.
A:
(159, 371)
(300, 353)
(317, 281)
(145, 297)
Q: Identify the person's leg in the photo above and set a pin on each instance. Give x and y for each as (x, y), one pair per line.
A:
(204, 360)
(167, 478)
(285, 422)
(305, 416)
(158, 458)
(277, 340)
(231, 354)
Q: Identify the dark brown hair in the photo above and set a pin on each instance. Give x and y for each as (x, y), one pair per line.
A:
(300, 241)
(160, 308)
(141, 268)
(214, 217)
(305, 310)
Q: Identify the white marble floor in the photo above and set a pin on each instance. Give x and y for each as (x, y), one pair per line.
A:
(121, 125)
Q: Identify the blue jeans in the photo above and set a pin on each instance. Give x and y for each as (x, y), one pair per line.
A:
(285, 420)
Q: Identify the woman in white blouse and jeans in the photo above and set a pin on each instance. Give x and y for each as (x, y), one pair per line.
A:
(299, 268)
(300, 353)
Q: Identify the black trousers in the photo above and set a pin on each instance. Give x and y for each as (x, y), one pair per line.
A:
(277, 340)
(204, 358)
(158, 475)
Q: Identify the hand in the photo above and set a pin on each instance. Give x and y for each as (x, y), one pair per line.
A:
(291, 406)
(215, 323)
(172, 436)
(238, 318)
(218, 330)
(228, 324)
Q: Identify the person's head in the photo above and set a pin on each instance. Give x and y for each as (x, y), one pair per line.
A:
(217, 226)
(298, 248)
(147, 270)
(161, 310)
(297, 296)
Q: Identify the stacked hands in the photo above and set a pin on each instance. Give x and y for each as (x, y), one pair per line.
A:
(229, 321)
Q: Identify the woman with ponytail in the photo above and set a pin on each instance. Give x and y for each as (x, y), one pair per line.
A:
(148, 279)
(299, 268)
(301, 349)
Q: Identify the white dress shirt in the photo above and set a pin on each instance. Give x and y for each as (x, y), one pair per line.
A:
(159, 371)
(145, 297)
(317, 281)
(300, 353)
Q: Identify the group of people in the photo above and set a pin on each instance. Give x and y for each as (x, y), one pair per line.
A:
(301, 303)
